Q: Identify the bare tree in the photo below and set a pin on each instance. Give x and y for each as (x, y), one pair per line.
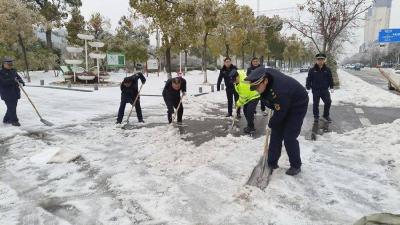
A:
(331, 24)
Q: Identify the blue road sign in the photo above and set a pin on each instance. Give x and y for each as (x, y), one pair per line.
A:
(389, 35)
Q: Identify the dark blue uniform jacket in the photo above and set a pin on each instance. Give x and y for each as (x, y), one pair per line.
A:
(9, 88)
(319, 78)
(129, 92)
(283, 95)
(224, 74)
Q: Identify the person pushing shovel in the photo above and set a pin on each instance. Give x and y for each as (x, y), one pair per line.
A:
(172, 97)
(10, 91)
(130, 92)
(289, 101)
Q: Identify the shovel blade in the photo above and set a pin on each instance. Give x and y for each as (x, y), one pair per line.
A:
(47, 123)
(128, 126)
(261, 174)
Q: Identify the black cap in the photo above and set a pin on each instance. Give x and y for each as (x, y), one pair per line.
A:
(7, 59)
(320, 56)
(256, 75)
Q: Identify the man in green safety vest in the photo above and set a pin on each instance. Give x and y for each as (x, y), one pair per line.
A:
(247, 98)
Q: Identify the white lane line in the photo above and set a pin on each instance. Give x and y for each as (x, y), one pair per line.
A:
(365, 122)
(359, 110)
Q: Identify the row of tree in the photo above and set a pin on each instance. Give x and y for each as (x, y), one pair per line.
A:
(219, 28)
(207, 28)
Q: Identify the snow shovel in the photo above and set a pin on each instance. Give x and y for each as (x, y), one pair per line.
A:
(133, 105)
(261, 173)
(234, 119)
(45, 122)
(177, 109)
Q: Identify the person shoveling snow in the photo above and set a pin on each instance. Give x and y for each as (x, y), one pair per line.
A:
(289, 100)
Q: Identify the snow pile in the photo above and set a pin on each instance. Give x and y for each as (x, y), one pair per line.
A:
(65, 108)
(356, 91)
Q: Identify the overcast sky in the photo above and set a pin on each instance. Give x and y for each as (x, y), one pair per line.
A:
(114, 9)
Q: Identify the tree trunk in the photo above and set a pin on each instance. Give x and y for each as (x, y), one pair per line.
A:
(227, 50)
(168, 61)
(48, 39)
(242, 56)
(204, 58)
(186, 56)
(262, 60)
(21, 43)
(332, 64)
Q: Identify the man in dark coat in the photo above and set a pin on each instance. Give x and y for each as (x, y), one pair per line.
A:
(289, 100)
(9, 91)
(320, 80)
(172, 96)
(230, 90)
(129, 92)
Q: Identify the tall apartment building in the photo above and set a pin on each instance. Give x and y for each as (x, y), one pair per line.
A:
(376, 18)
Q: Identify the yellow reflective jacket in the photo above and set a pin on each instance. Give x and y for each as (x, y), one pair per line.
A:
(243, 89)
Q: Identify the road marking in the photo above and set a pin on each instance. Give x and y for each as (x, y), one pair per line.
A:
(365, 122)
(359, 110)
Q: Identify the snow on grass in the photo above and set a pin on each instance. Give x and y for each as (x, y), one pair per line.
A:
(63, 107)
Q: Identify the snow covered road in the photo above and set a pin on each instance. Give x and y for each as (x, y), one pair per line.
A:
(158, 174)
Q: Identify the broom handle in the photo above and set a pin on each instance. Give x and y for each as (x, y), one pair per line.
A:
(134, 103)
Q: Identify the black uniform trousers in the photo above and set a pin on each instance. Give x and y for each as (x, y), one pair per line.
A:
(288, 132)
(249, 110)
(171, 104)
(231, 95)
(326, 98)
(11, 113)
(124, 101)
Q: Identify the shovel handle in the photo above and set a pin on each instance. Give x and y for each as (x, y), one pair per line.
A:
(179, 105)
(134, 103)
(267, 134)
(27, 96)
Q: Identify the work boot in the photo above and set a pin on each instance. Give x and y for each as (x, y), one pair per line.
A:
(293, 171)
(228, 115)
(238, 116)
(316, 120)
(249, 130)
(141, 121)
(328, 119)
(16, 124)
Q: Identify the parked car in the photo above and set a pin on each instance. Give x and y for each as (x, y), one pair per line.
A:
(304, 69)
(357, 66)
